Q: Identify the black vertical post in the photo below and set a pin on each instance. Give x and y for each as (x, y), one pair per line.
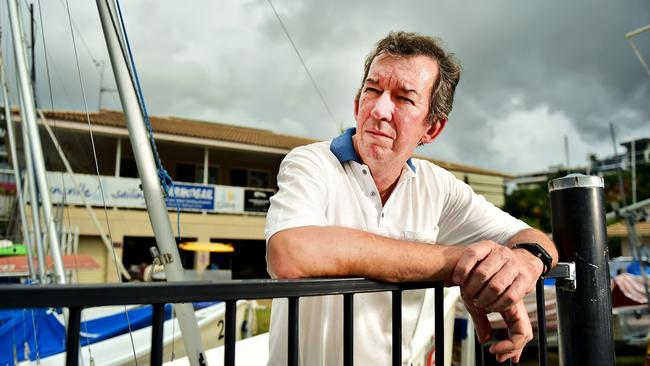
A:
(293, 331)
(157, 324)
(439, 314)
(348, 329)
(72, 337)
(541, 323)
(585, 312)
(231, 317)
(397, 327)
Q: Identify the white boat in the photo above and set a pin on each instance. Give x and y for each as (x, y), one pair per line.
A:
(123, 349)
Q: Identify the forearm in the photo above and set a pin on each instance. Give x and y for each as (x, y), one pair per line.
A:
(331, 251)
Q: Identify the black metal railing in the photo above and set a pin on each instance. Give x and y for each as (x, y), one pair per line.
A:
(78, 297)
(564, 274)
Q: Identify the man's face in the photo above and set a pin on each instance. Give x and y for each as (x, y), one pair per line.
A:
(393, 107)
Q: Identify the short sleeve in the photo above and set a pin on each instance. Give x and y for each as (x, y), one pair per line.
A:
(467, 217)
(302, 193)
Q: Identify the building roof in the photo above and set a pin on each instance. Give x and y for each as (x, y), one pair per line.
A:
(620, 229)
(224, 132)
(189, 128)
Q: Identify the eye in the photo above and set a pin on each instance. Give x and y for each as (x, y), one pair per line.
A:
(407, 100)
(370, 89)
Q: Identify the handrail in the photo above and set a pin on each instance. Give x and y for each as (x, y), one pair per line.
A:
(83, 295)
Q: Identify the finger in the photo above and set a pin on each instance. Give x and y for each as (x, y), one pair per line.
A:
(472, 255)
(513, 294)
(497, 285)
(513, 344)
(481, 324)
(520, 330)
(482, 274)
(514, 356)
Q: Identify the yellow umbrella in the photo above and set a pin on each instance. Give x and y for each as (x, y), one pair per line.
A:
(196, 246)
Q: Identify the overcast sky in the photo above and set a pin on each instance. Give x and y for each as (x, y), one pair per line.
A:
(534, 71)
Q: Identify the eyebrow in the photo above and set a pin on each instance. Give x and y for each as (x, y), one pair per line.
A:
(403, 89)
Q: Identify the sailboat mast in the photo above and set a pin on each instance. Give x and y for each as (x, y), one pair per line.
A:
(33, 196)
(35, 141)
(14, 162)
(153, 193)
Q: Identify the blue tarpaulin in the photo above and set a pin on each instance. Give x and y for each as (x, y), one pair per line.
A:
(18, 329)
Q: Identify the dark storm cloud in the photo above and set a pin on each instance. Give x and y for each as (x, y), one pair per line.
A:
(534, 72)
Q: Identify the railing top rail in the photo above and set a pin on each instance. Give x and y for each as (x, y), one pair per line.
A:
(24, 296)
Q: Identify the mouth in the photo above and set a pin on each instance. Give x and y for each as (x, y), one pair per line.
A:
(378, 133)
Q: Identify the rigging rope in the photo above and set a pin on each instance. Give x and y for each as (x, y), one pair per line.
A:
(165, 179)
(101, 188)
(304, 65)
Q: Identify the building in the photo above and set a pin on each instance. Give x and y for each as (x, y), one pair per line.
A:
(620, 230)
(224, 176)
(637, 153)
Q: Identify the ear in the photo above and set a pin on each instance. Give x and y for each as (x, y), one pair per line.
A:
(434, 130)
(356, 107)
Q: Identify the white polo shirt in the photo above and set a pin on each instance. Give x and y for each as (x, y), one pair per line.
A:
(325, 184)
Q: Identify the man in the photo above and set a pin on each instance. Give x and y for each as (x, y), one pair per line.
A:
(360, 206)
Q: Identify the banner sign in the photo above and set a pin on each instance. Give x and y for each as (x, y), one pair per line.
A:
(229, 199)
(191, 197)
(257, 199)
(126, 193)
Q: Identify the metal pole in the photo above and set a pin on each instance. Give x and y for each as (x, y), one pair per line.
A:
(152, 190)
(14, 163)
(566, 153)
(33, 50)
(620, 165)
(633, 238)
(633, 172)
(33, 197)
(118, 156)
(579, 229)
(631, 208)
(35, 141)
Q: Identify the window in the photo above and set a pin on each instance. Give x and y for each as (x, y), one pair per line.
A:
(186, 173)
(128, 168)
(242, 177)
(258, 178)
(214, 175)
(238, 177)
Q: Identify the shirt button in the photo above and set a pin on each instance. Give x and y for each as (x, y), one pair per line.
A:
(372, 193)
(364, 172)
(382, 214)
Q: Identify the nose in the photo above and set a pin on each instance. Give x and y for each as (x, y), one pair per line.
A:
(383, 109)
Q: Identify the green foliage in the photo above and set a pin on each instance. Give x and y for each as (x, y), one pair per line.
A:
(530, 205)
(613, 190)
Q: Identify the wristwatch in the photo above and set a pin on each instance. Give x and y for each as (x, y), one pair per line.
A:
(539, 252)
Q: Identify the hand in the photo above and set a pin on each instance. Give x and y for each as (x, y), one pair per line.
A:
(494, 277)
(519, 328)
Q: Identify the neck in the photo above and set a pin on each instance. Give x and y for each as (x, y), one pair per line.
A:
(385, 178)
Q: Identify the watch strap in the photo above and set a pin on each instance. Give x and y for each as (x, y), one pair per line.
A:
(539, 252)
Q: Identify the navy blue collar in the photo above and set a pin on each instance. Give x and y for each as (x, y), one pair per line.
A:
(343, 148)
